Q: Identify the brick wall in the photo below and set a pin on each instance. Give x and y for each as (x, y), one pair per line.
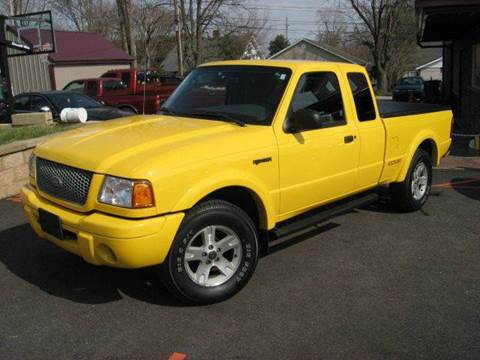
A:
(14, 165)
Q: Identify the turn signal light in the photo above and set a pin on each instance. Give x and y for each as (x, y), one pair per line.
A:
(142, 195)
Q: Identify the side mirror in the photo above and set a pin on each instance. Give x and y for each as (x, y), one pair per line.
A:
(45, 109)
(306, 119)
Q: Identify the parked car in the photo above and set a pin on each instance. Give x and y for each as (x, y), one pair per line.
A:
(243, 152)
(56, 101)
(411, 89)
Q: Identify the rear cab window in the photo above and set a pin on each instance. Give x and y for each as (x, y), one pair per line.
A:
(22, 103)
(362, 97)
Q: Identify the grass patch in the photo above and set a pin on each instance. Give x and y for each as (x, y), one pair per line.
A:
(10, 134)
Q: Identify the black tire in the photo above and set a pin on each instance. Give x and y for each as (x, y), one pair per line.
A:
(178, 278)
(402, 194)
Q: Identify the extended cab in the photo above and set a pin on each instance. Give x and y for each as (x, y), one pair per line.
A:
(244, 151)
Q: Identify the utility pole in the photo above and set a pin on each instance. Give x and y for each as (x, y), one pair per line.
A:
(178, 36)
(286, 27)
(5, 83)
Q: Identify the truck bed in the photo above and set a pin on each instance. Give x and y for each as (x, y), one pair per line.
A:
(389, 108)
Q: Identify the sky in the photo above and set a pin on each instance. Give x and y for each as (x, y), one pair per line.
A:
(302, 15)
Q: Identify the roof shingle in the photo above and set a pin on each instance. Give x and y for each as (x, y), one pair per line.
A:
(85, 46)
(76, 46)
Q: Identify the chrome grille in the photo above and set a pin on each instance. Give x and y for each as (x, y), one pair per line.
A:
(62, 181)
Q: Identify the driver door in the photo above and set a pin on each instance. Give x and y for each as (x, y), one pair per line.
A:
(318, 165)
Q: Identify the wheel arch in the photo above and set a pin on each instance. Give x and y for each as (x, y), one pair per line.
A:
(242, 193)
(426, 142)
(246, 199)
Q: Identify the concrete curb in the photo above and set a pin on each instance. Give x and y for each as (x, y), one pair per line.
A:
(460, 163)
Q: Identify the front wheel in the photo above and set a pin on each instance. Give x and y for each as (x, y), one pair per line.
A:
(411, 194)
(213, 255)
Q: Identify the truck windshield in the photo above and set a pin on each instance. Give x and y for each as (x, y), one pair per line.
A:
(249, 94)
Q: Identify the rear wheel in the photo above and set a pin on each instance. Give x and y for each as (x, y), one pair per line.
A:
(214, 254)
(411, 194)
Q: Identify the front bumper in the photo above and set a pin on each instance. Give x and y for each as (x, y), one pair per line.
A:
(103, 239)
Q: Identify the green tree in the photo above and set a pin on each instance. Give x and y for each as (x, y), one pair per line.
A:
(277, 44)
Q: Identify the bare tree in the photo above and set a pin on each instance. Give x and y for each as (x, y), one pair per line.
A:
(127, 33)
(384, 25)
(15, 7)
(84, 15)
(197, 17)
(332, 30)
(153, 24)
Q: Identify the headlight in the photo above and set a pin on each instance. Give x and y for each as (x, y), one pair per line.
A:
(126, 193)
(32, 166)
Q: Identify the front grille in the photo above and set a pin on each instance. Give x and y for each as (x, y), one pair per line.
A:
(62, 181)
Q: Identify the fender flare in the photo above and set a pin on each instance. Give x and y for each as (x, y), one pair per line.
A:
(418, 140)
(200, 190)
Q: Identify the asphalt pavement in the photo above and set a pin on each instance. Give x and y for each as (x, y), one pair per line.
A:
(372, 284)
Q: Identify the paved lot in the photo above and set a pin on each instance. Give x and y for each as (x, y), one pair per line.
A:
(372, 284)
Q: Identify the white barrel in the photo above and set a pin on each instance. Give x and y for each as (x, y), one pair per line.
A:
(73, 115)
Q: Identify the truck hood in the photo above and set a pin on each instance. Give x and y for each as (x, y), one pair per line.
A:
(125, 146)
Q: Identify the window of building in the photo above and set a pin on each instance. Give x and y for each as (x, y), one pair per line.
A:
(362, 96)
(320, 92)
(476, 66)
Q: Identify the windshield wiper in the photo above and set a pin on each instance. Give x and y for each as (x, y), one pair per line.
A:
(217, 116)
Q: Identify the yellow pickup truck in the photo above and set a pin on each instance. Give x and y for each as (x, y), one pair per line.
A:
(242, 152)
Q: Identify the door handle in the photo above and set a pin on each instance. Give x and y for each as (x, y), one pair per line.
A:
(349, 138)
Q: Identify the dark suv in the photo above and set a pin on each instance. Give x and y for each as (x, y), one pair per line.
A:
(411, 89)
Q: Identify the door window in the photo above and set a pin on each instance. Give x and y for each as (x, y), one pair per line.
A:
(362, 97)
(320, 92)
(22, 103)
(112, 85)
(92, 88)
(76, 86)
(37, 103)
